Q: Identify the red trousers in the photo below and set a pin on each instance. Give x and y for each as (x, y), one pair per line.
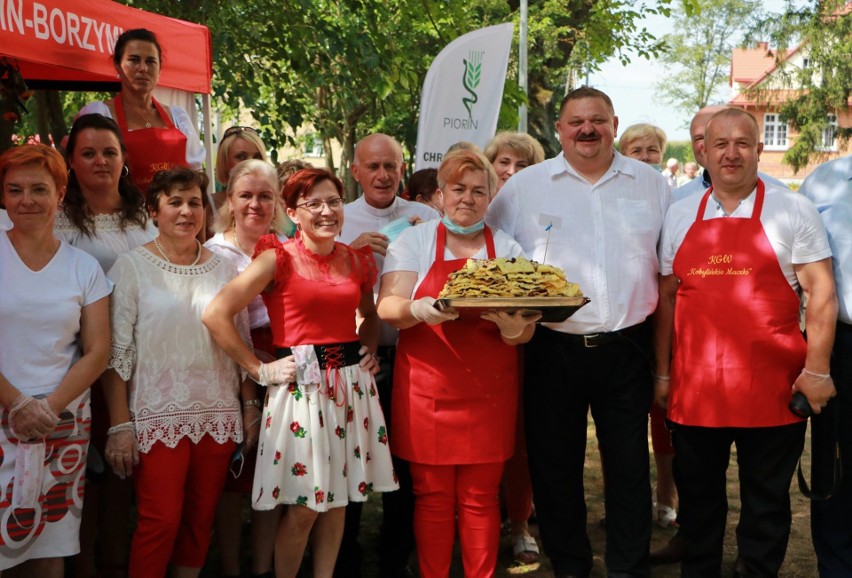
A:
(177, 490)
(517, 485)
(469, 491)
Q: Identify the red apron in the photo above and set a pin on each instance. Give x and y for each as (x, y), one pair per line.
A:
(737, 346)
(455, 384)
(150, 150)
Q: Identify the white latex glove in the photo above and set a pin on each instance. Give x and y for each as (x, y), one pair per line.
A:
(511, 325)
(278, 372)
(424, 310)
(121, 452)
(31, 418)
(368, 360)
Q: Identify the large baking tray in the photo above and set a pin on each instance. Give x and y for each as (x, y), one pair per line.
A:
(553, 309)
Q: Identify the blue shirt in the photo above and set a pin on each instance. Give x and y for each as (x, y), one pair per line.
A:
(830, 189)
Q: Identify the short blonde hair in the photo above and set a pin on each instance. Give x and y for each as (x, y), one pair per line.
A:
(460, 160)
(519, 143)
(245, 133)
(642, 130)
(265, 170)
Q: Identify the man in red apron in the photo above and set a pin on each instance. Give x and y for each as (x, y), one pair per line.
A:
(729, 350)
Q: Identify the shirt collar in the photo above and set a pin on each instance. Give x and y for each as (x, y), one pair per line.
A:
(560, 165)
(380, 212)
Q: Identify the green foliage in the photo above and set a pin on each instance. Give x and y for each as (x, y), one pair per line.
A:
(698, 54)
(823, 29)
(350, 67)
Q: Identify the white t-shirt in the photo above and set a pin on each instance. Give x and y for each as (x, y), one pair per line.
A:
(40, 315)
(414, 250)
(194, 149)
(359, 217)
(5, 223)
(603, 235)
(790, 221)
(109, 239)
(181, 384)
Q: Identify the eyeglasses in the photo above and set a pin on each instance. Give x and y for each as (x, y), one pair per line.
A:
(316, 206)
(237, 130)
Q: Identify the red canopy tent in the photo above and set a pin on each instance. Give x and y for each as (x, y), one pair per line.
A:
(68, 45)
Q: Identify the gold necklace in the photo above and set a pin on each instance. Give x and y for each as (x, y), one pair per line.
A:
(147, 118)
(237, 243)
(163, 253)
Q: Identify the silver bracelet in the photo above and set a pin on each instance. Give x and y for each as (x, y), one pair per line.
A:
(251, 403)
(663, 377)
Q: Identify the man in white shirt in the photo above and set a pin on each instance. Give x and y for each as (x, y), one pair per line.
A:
(830, 188)
(671, 172)
(597, 215)
(730, 352)
(696, 135)
(378, 167)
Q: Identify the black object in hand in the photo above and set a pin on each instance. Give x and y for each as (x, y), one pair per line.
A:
(799, 405)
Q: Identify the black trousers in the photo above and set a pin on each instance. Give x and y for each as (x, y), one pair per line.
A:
(396, 541)
(563, 380)
(831, 520)
(767, 458)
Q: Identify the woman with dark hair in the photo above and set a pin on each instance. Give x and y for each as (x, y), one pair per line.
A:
(423, 188)
(103, 211)
(324, 441)
(173, 395)
(103, 214)
(54, 342)
(157, 136)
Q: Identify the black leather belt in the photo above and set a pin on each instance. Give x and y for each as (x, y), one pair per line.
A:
(331, 355)
(592, 340)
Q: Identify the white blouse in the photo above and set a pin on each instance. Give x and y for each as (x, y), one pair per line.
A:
(109, 239)
(180, 383)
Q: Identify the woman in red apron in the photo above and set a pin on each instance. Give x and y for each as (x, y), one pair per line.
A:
(455, 381)
(157, 137)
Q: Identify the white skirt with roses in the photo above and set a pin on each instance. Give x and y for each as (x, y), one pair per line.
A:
(323, 440)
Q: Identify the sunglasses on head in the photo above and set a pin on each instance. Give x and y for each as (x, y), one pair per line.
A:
(237, 130)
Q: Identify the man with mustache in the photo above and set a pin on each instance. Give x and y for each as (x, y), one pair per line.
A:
(729, 350)
(597, 215)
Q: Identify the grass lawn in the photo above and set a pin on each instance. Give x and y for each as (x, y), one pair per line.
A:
(800, 561)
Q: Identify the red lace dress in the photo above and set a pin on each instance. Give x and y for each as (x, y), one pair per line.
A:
(323, 441)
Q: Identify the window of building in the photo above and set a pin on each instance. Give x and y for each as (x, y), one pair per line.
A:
(313, 145)
(774, 132)
(828, 142)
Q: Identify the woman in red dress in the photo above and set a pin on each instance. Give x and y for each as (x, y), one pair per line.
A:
(323, 440)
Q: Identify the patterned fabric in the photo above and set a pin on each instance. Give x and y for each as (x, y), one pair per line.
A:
(110, 238)
(181, 384)
(51, 529)
(323, 442)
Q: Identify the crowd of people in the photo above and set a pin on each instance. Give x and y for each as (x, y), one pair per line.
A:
(298, 358)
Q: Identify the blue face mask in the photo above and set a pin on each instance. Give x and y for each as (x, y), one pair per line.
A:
(459, 230)
(395, 227)
(656, 166)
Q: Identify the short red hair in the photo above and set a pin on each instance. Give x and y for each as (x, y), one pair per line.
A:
(300, 185)
(44, 156)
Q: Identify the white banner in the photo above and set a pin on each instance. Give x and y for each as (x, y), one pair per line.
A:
(462, 93)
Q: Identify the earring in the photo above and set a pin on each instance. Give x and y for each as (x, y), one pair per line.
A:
(125, 171)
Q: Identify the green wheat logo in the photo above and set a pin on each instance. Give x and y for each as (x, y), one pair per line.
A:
(470, 79)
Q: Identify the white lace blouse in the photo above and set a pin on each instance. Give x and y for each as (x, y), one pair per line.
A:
(180, 383)
(109, 239)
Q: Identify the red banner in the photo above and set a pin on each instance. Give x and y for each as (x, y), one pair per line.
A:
(72, 41)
